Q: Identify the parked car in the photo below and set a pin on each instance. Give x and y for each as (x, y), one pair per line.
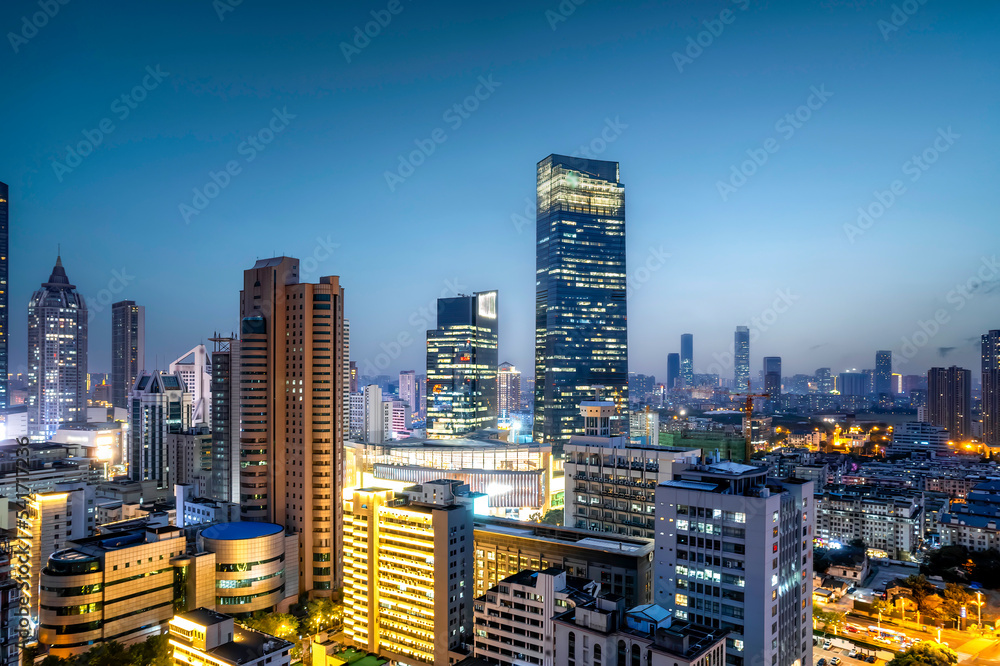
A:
(870, 659)
(835, 661)
(853, 652)
(821, 662)
(827, 644)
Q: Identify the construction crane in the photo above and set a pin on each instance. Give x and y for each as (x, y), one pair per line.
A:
(747, 419)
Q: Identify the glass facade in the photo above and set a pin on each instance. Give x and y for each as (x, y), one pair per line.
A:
(741, 358)
(128, 323)
(4, 239)
(581, 343)
(462, 366)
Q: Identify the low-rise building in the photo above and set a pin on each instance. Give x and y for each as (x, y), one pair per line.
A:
(883, 519)
(203, 636)
(514, 619)
(604, 632)
(973, 523)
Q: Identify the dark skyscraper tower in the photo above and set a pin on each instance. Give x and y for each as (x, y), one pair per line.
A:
(128, 349)
(462, 366)
(741, 358)
(673, 370)
(772, 376)
(4, 288)
(687, 359)
(949, 400)
(991, 388)
(883, 373)
(581, 339)
(57, 356)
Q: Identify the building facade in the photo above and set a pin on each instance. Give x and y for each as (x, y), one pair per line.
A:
(673, 370)
(158, 407)
(883, 374)
(949, 400)
(581, 336)
(225, 404)
(772, 376)
(292, 412)
(202, 636)
(741, 358)
(195, 370)
(462, 366)
(734, 551)
(408, 572)
(885, 521)
(4, 288)
(687, 359)
(57, 356)
(991, 387)
(128, 349)
(508, 390)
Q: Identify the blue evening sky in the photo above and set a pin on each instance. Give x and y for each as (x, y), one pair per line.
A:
(890, 85)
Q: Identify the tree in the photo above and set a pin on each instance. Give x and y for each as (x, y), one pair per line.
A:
(281, 625)
(552, 517)
(926, 653)
(920, 587)
(954, 598)
(323, 614)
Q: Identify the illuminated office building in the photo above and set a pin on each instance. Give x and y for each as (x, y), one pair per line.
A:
(158, 407)
(462, 366)
(508, 389)
(581, 341)
(225, 403)
(292, 412)
(113, 587)
(741, 358)
(991, 387)
(772, 376)
(57, 356)
(408, 571)
(409, 390)
(4, 288)
(883, 374)
(128, 349)
(687, 359)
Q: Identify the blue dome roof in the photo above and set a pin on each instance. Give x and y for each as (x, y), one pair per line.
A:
(237, 531)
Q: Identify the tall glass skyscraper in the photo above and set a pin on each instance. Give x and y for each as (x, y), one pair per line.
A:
(687, 359)
(581, 341)
(462, 360)
(673, 370)
(4, 240)
(57, 356)
(883, 373)
(128, 349)
(991, 387)
(741, 358)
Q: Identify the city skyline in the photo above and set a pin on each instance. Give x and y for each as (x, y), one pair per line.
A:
(739, 92)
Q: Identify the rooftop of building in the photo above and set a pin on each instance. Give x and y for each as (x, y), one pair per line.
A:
(239, 531)
(606, 542)
(247, 644)
(479, 439)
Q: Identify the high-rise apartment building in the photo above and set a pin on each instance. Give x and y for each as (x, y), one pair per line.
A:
(4, 289)
(462, 366)
(373, 418)
(949, 400)
(128, 349)
(852, 384)
(408, 571)
(225, 402)
(883, 373)
(508, 389)
(581, 335)
(673, 370)
(825, 383)
(772, 376)
(57, 356)
(291, 405)
(734, 551)
(741, 358)
(353, 368)
(991, 387)
(409, 390)
(158, 406)
(687, 359)
(195, 369)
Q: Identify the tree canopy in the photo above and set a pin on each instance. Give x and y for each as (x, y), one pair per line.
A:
(926, 653)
